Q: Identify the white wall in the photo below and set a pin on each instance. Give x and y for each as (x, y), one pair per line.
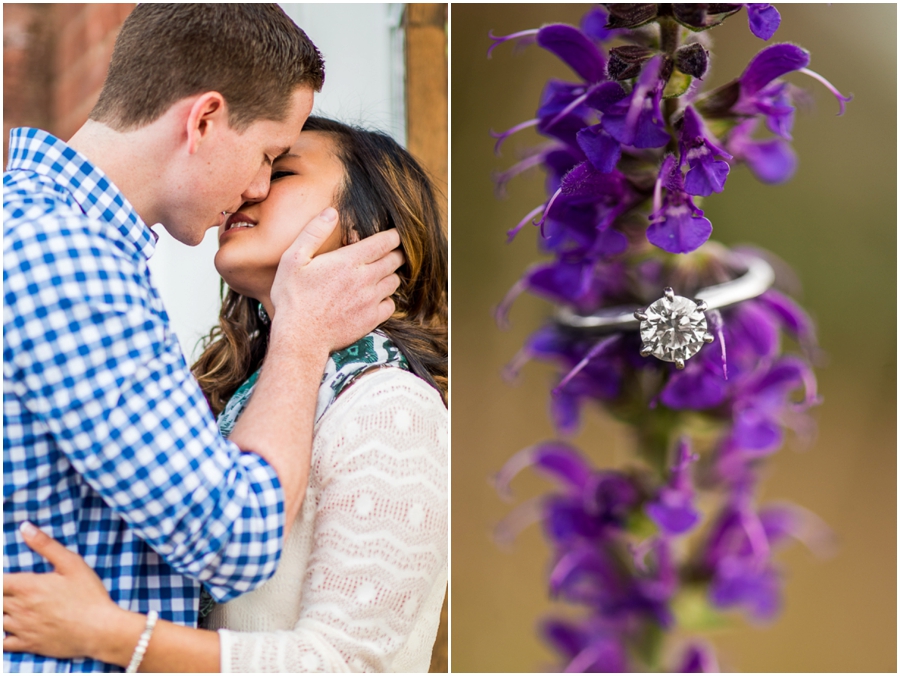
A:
(362, 45)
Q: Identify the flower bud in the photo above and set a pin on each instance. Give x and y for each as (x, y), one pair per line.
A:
(626, 15)
(626, 62)
(700, 16)
(692, 60)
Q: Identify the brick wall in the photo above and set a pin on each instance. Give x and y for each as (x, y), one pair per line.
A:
(85, 35)
(55, 58)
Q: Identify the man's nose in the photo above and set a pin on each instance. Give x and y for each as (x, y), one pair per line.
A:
(259, 188)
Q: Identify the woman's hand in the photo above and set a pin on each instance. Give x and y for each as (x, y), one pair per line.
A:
(63, 614)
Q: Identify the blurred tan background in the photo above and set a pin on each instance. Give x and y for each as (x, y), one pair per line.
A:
(835, 223)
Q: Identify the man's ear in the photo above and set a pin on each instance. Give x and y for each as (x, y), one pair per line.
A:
(207, 115)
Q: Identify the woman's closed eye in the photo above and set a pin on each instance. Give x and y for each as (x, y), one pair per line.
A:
(281, 173)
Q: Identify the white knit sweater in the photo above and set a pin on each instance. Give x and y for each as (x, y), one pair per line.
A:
(364, 569)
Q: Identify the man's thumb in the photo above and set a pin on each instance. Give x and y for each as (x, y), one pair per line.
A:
(313, 235)
(46, 546)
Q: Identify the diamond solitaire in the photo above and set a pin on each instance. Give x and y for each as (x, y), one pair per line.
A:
(673, 328)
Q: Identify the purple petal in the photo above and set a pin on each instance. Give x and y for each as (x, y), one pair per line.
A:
(764, 20)
(791, 315)
(593, 24)
(753, 431)
(566, 638)
(564, 463)
(787, 374)
(586, 181)
(751, 321)
(611, 497)
(601, 149)
(637, 121)
(575, 49)
(565, 410)
(601, 97)
(557, 281)
(673, 512)
(779, 523)
(610, 243)
(773, 161)
(743, 584)
(772, 62)
(557, 95)
(679, 231)
(698, 660)
(695, 388)
(706, 175)
(694, 133)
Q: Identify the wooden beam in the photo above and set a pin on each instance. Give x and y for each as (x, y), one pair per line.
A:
(426, 90)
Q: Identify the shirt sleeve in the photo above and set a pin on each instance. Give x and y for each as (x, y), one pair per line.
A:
(376, 576)
(88, 350)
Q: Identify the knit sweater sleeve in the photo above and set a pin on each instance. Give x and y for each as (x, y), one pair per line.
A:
(376, 575)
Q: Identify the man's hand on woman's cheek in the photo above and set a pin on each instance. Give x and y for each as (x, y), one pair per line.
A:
(334, 299)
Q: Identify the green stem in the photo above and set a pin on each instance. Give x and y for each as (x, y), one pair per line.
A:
(669, 34)
(669, 39)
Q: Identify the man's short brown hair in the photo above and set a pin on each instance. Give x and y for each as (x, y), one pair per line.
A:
(252, 54)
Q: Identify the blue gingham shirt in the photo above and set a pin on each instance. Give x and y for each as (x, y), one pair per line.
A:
(108, 442)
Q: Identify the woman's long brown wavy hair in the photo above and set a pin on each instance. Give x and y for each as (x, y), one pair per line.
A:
(383, 187)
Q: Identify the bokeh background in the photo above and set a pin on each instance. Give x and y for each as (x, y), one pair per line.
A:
(835, 223)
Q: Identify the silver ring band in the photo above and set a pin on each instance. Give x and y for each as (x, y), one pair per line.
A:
(755, 281)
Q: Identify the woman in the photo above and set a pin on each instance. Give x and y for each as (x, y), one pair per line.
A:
(364, 569)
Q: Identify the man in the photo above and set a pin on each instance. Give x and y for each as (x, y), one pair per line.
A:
(109, 445)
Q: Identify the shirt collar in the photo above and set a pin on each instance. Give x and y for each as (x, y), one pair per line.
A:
(38, 151)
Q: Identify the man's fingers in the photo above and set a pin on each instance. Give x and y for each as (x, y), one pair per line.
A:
(313, 236)
(387, 286)
(13, 644)
(60, 557)
(387, 264)
(385, 310)
(373, 248)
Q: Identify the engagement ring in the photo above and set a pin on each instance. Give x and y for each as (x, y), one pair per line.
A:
(674, 328)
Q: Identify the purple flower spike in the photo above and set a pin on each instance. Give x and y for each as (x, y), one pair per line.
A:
(575, 49)
(764, 20)
(673, 508)
(616, 157)
(707, 174)
(676, 225)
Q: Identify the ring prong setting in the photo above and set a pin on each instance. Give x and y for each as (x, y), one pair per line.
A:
(708, 338)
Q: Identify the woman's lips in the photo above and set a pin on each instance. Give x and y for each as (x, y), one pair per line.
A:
(235, 223)
(239, 220)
